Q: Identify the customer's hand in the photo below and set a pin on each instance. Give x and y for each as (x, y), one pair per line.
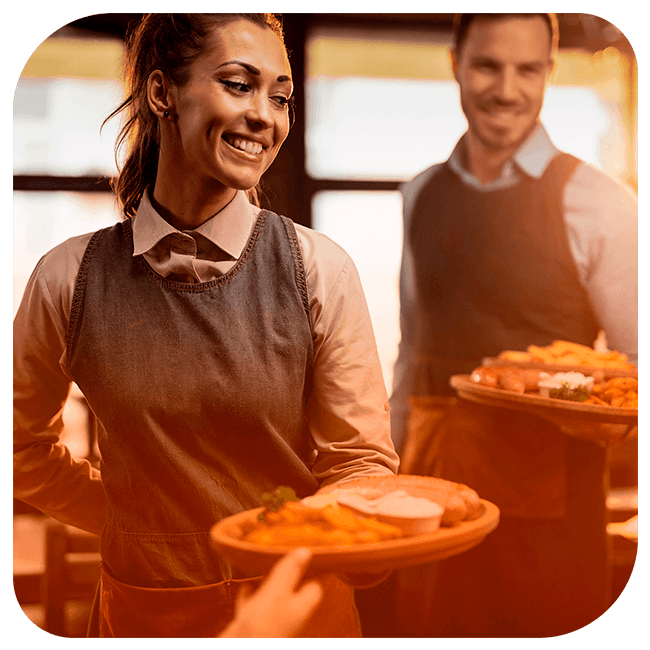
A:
(277, 608)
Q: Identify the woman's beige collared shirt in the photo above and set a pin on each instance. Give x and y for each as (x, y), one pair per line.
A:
(348, 411)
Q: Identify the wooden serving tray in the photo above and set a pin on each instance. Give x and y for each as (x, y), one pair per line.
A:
(357, 558)
(543, 406)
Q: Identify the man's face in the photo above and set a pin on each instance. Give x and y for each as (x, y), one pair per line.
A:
(502, 69)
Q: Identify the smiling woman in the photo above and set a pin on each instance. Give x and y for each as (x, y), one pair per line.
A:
(223, 349)
(163, 69)
(225, 125)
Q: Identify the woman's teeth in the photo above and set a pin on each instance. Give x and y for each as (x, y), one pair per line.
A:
(245, 145)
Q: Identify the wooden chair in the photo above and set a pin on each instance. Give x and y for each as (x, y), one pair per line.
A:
(71, 574)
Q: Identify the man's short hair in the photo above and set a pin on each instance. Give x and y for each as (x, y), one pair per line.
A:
(463, 21)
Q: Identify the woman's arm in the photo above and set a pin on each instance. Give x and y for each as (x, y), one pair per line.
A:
(45, 473)
(348, 412)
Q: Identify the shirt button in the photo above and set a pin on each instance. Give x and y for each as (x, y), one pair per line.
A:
(187, 244)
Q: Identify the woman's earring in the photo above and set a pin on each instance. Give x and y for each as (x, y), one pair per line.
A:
(166, 114)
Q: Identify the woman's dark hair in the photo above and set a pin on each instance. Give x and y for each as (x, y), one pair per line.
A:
(463, 21)
(167, 42)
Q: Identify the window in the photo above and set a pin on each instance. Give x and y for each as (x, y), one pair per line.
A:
(67, 89)
(44, 219)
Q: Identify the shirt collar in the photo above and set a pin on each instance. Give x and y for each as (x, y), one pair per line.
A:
(229, 229)
(532, 157)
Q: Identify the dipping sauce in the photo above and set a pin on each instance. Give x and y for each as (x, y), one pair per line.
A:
(414, 515)
(571, 379)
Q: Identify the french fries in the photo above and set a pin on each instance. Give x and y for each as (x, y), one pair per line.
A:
(618, 391)
(568, 353)
(296, 524)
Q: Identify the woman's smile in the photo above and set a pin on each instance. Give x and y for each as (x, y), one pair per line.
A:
(243, 144)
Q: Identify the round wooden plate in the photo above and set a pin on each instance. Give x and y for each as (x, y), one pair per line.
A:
(358, 558)
(543, 406)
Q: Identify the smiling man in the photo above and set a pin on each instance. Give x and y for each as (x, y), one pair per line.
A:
(507, 244)
(502, 67)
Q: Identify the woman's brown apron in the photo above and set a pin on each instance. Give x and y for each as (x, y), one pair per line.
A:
(175, 461)
(125, 611)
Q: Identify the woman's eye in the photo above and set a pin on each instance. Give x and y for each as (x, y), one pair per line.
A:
(242, 87)
(281, 100)
(238, 86)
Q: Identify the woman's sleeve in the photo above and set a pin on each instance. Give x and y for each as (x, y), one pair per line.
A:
(348, 411)
(46, 475)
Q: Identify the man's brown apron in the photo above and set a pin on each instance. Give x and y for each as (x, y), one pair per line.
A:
(542, 572)
(494, 271)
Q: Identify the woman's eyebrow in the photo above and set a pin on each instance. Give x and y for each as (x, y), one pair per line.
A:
(252, 69)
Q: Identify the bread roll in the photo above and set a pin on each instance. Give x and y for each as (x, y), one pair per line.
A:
(459, 502)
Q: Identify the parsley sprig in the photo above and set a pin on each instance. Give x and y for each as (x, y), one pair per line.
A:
(577, 394)
(273, 501)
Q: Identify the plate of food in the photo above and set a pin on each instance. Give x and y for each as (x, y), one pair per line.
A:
(565, 394)
(365, 525)
(565, 356)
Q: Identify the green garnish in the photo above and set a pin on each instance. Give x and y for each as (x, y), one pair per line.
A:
(273, 501)
(577, 394)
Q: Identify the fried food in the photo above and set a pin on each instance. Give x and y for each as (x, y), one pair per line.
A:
(618, 391)
(511, 380)
(295, 524)
(518, 380)
(568, 353)
(622, 384)
(486, 376)
(594, 399)
(621, 392)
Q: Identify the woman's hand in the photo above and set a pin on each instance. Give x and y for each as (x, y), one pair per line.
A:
(277, 608)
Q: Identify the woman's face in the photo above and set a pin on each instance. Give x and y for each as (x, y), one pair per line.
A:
(232, 114)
